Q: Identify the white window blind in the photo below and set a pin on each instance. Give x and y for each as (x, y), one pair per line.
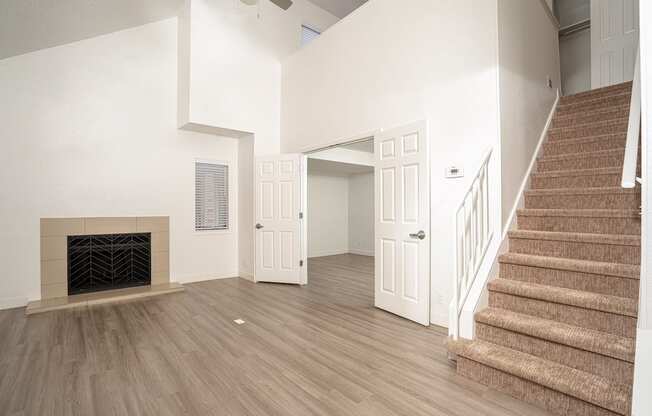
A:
(211, 196)
(308, 35)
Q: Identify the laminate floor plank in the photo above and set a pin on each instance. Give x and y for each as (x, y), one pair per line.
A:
(322, 349)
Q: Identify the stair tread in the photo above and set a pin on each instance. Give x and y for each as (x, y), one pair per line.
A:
(620, 239)
(578, 337)
(582, 385)
(578, 172)
(588, 139)
(573, 265)
(601, 123)
(591, 112)
(598, 99)
(582, 155)
(584, 191)
(599, 91)
(578, 298)
(586, 213)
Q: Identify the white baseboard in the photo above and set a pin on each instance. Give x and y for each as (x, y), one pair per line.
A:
(520, 201)
(246, 276)
(11, 303)
(361, 252)
(325, 253)
(204, 278)
(642, 400)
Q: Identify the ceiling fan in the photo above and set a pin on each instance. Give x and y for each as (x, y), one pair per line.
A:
(283, 4)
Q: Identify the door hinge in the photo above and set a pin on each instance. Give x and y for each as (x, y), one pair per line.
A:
(300, 263)
(301, 215)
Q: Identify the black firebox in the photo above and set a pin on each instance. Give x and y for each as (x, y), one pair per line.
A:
(110, 261)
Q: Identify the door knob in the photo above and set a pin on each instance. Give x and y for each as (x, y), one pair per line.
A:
(258, 226)
(420, 235)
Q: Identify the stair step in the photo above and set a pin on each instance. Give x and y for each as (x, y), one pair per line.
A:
(573, 307)
(610, 113)
(595, 352)
(614, 248)
(591, 104)
(584, 145)
(622, 88)
(583, 198)
(589, 160)
(614, 279)
(586, 387)
(590, 130)
(585, 339)
(577, 178)
(594, 221)
(578, 298)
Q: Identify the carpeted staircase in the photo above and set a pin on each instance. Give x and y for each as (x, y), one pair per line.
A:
(559, 330)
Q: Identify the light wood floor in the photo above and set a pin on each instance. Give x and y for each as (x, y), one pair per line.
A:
(317, 350)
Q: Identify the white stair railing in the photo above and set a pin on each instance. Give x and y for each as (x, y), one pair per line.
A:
(630, 163)
(473, 234)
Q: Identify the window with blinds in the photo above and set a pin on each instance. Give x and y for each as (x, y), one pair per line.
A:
(211, 196)
(308, 35)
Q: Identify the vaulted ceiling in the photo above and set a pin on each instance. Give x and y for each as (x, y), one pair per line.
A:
(340, 8)
(30, 25)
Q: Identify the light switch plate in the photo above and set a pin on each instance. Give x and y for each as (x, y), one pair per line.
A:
(454, 172)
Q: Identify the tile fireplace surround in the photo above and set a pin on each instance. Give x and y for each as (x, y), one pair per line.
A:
(55, 232)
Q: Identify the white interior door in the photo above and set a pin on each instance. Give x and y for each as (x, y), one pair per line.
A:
(278, 225)
(614, 39)
(402, 247)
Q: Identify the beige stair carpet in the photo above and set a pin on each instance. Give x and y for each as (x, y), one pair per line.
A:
(559, 330)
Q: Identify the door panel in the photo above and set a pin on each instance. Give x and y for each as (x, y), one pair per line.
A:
(278, 226)
(614, 39)
(403, 222)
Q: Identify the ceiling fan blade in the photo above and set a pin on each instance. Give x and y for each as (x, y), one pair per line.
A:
(283, 4)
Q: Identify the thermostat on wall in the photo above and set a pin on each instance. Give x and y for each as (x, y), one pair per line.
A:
(454, 172)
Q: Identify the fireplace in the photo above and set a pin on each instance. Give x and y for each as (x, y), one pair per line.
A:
(108, 261)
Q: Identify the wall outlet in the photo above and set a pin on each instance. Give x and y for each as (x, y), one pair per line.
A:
(454, 172)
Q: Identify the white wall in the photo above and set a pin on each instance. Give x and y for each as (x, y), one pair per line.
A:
(328, 215)
(529, 54)
(438, 62)
(233, 55)
(575, 51)
(361, 214)
(642, 400)
(89, 129)
(573, 11)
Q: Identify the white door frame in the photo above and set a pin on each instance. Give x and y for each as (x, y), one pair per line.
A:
(304, 189)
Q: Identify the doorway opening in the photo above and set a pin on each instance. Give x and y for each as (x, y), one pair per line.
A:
(340, 221)
(400, 160)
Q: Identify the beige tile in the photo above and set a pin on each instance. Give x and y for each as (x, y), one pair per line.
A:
(47, 305)
(54, 271)
(54, 248)
(61, 226)
(153, 224)
(160, 277)
(160, 262)
(57, 290)
(110, 225)
(160, 242)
